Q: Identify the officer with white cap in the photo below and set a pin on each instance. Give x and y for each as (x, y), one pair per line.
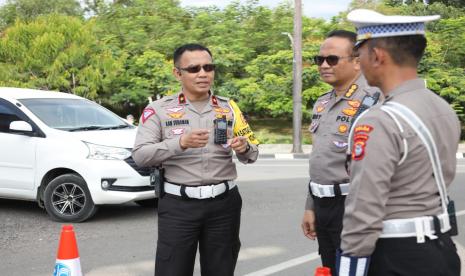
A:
(398, 218)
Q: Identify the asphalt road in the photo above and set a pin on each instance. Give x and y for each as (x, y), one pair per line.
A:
(120, 240)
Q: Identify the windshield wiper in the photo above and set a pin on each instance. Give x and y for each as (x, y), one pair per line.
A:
(86, 128)
(115, 127)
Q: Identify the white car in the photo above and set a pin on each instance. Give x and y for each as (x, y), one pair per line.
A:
(67, 153)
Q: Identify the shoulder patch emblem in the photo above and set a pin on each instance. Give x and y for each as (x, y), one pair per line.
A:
(363, 128)
(358, 150)
(147, 113)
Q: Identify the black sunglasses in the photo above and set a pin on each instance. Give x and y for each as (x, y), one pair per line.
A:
(331, 59)
(195, 69)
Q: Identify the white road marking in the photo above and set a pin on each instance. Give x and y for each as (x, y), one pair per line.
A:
(313, 256)
(285, 265)
(259, 252)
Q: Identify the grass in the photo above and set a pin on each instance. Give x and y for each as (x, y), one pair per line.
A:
(277, 131)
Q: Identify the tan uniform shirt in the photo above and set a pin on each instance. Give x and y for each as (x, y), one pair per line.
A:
(331, 120)
(163, 123)
(380, 189)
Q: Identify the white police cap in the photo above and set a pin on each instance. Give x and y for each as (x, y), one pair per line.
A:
(371, 24)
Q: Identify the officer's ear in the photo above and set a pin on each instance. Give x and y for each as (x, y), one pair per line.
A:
(177, 73)
(356, 62)
(378, 56)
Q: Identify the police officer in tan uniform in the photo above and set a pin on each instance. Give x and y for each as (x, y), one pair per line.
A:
(200, 203)
(403, 157)
(333, 113)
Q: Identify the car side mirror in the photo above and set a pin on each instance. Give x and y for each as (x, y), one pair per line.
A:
(21, 126)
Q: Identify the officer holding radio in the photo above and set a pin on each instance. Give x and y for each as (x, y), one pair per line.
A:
(192, 136)
(398, 218)
(333, 114)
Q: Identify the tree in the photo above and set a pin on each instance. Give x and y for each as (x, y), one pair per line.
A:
(28, 10)
(57, 52)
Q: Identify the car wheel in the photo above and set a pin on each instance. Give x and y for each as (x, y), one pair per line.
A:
(151, 203)
(68, 199)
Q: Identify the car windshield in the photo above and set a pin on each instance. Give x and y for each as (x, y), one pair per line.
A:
(74, 114)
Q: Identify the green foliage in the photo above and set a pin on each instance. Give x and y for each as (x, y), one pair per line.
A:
(27, 10)
(120, 52)
(57, 52)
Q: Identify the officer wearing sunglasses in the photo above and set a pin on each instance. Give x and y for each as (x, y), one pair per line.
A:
(193, 135)
(332, 115)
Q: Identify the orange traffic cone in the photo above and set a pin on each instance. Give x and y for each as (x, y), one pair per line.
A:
(323, 271)
(67, 263)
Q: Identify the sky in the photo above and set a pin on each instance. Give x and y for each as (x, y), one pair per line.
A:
(311, 8)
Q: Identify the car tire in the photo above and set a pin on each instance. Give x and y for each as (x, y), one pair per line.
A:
(67, 199)
(149, 203)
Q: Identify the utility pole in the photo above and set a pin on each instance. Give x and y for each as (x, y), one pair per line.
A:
(297, 79)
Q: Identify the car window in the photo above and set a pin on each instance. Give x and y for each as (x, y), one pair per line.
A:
(71, 114)
(8, 114)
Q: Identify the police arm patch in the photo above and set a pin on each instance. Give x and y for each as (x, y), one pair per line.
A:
(147, 113)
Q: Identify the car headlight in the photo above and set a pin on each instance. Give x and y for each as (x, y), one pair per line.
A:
(99, 152)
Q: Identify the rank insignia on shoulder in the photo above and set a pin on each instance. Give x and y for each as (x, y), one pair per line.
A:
(363, 128)
(147, 113)
(351, 90)
(181, 99)
(320, 108)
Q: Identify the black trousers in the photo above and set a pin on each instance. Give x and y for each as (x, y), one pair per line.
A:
(212, 224)
(406, 257)
(329, 212)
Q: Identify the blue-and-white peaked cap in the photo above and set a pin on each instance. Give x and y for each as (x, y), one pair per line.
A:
(371, 24)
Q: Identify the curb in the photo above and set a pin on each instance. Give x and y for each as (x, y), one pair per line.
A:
(291, 156)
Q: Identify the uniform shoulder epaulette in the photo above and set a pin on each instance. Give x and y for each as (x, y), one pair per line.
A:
(166, 100)
(222, 98)
(324, 95)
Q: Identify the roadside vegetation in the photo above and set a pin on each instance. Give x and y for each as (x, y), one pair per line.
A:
(118, 53)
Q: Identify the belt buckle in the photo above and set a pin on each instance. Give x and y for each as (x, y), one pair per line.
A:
(207, 191)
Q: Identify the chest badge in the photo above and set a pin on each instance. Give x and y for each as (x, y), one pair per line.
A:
(177, 131)
(349, 111)
(354, 103)
(175, 109)
(342, 128)
(176, 115)
(313, 126)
